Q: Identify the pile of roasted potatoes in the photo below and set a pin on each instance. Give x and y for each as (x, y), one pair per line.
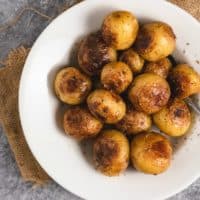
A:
(126, 79)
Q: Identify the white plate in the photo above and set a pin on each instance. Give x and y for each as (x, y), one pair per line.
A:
(61, 156)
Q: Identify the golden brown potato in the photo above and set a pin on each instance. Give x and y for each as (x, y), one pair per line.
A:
(120, 29)
(151, 153)
(72, 86)
(94, 53)
(149, 93)
(174, 119)
(160, 67)
(134, 122)
(106, 106)
(184, 81)
(133, 60)
(155, 41)
(80, 124)
(116, 76)
(111, 152)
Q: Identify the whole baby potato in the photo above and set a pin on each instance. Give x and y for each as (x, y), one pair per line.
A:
(80, 123)
(160, 67)
(134, 122)
(184, 81)
(111, 152)
(149, 93)
(106, 106)
(116, 76)
(94, 53)
(71, 86)
(133, 60)
(155, 41)
(174, 119)
(120, 29)
(151, 153)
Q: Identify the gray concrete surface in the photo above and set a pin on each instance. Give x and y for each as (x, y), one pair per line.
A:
(12, 187)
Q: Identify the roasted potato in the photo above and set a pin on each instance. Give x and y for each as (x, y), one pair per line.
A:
(134, 122)
(174, 119)
(155, 41)
(160, 67)
(106, 106)
(116, 76)
(80, 123)
(151, 153)
(184, 81)
(133, 60)
(94, 53)
(149, 93)
(111, 152)
(120, 29)
(72, 86)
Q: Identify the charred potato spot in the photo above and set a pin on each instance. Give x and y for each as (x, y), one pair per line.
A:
(116, 77)
(184, 81)
(149, 93)
(106, 106)
(134, 122)
(133, 60)
(151, 153)
(160, 67)
(106, 150)
(80, 124)
(72, 86)
(144, 41)
(94, 53)
(111, 152)
(174, 119)
(155, 41)
(120, 29)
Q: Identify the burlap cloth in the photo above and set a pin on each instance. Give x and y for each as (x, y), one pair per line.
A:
(9, 85)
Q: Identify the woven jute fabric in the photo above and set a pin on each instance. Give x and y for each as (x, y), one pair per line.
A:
(9, 84)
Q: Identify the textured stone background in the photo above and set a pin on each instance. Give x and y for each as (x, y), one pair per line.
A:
(25, 31)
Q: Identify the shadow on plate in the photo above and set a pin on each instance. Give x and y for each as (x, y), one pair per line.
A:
(86, 149)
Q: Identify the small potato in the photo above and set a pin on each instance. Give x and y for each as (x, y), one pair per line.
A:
(151, 153)
(111, 152)
(120, 29)
(106, 106)
(184, 81)
(94, 53)
(149, 93)
(160, 67)
(72, 86)
(133, 60)
(134, 122)
(174, 119)
(80, 124)
(155, 41)
(116, 76)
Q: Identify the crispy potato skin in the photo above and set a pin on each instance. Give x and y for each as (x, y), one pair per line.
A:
(134, 122)
(120, 29)
(133, 60)
(151, 153)
(116, 76)
(111, 152)
(149, 93)
(155, 41)
(94, 53)
(160, 67)
(80, 123)
(71, 86)
(174, 119)
(184, 81)
(106, 106)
